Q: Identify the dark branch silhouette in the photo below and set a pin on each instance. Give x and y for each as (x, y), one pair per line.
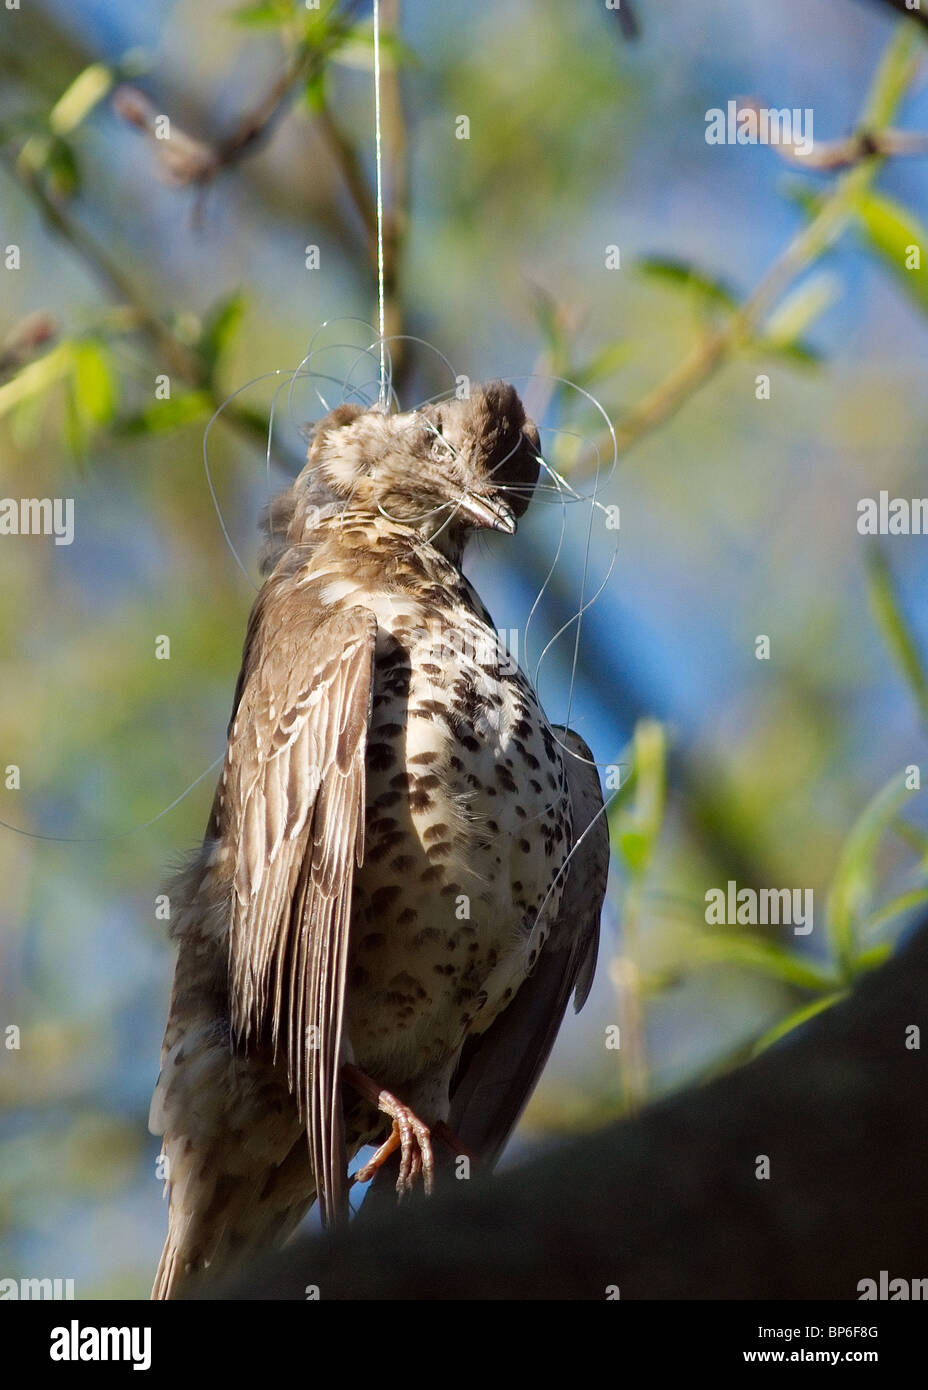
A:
(668, 1205)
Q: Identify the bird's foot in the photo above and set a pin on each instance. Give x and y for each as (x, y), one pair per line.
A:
(409, 1135)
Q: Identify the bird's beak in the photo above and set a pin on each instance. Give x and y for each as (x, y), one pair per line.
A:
(490, 513)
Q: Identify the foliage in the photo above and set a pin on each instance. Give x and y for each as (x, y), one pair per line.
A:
(733, 521)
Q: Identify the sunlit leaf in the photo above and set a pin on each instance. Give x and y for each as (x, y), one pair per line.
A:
(51, 158)
(795, 1020)
(894, 626)
(796, 354)
(603, 364)
(549, 318)
(95, 387)
(170, 415)
(804, 195)
(852, 884)
(635, 825)
(681, 275)
(357, 50)
(219, 328)
(26, 420)
(74, 427)
(896, 70)
(767, 957)
(913, 836)
(75, 104)
(873, 957)
(899, 239)
(800, 309)
(270, 14)
(905, 902)
(315, 91)
(36, 377)
(634, 847)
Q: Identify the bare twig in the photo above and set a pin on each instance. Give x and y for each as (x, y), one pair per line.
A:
(918, 16)
(835, 211)
(832, 216)
(21, 344)
(346, 157)
(716, 347)
(863, 144)
(189, 160)
(627, 19)
(178, 357)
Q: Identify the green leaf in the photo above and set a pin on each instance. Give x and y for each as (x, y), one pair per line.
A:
(622, 794)
(873, 957)
(603, 364)
(267, 15)
(84, 366)
(219, 328)
(18, 125)
(62, 170)
(74, 429)
(94, 383)
(800, 309)
(170, 415)
(893, 624)
(807, 198)
(357, 50)
(852, 884)
(26, 420)
(905, 902)
(77, 101)
(796, 354)
(892, 231)
(897, 67)
(680, 275)
(634, 847)
(767, 957)
(914, 837)
(794, 1020)
(50, 157)
(549, 320)
(36, 377)
(636, 827)
(315, 91)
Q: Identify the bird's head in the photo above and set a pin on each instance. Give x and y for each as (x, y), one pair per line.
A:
(445, 471)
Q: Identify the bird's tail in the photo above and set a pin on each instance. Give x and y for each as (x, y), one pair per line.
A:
(234, 1159)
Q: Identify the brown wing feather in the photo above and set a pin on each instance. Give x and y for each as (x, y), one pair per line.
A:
(291, 803)
(500, 1068)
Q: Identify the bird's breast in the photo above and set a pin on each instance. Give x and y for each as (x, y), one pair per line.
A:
(467, 823)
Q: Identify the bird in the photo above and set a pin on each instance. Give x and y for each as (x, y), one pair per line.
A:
(402, 875)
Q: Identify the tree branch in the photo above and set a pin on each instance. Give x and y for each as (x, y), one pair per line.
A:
(178, 357)
(190, 160)
(670, 1205)
(704, 361)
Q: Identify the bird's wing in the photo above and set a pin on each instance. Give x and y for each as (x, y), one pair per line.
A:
(291, 804)
(500, 1068)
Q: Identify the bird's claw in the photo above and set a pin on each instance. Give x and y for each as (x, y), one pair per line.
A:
(414, 1142)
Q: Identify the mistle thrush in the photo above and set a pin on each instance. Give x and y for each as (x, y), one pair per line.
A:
(401, 879)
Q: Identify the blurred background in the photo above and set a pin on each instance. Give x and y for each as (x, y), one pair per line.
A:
(585, 230)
